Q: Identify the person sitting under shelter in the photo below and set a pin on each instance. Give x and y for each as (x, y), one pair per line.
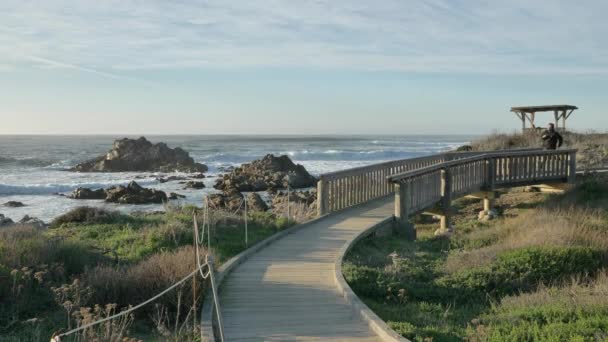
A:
(551, 138)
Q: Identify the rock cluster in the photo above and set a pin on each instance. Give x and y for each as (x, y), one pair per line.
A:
(141, 155)
(133, 193)
(268, 173)
(88, 194)
(230, 199)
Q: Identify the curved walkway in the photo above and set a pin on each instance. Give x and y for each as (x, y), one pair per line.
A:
(287, 291)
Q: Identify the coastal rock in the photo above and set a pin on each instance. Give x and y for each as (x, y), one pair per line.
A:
(197, 176)
(5, 221)
(269, 172)
(141, 155)
(255, 202)
(33, 221)
(194, 185)
(174, 196)
(88, 194)
(13, 204)
(134, 194)
(230, 199)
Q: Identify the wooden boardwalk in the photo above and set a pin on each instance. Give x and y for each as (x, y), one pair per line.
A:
(287, 291)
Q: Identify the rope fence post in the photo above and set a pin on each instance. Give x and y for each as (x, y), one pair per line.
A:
(216, 299)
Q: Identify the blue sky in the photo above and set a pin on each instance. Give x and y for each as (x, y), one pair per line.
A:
(298, 67)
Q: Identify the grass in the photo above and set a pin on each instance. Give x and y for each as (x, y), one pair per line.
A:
(544, 252)
(91, 262)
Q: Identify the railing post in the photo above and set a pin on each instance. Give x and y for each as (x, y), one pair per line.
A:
(403, 204)
(572, 167)
(445, 227)
(491, 167)
(322, 197)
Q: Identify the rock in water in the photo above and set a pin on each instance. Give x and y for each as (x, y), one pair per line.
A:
(174, 196)
(86, 193)
(267, 173)
(194, 185)
(14, 204)
(141, 155)
(134, 194)
(255, 202)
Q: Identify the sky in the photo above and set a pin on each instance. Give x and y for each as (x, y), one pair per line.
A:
(298, 67)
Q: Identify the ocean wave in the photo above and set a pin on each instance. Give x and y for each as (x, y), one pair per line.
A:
(8, 161)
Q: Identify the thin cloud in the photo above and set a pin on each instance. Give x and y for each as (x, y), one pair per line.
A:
(59, 64)
(474, 36)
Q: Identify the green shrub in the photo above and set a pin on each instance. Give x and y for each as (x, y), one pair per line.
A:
(525, 268)
(545, 323)
(365, 281)
(27, 246)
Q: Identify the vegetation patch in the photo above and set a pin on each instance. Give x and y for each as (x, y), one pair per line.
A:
(93, 262)
(534, 274)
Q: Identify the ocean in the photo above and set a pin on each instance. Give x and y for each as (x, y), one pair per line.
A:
(33, 168)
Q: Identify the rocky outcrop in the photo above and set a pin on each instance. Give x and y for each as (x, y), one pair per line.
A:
(88, 194)
(267, 173)
(141, 155)
(5, 221)
(194, 185)
(256, 203)
(13, 204)
(134, 194)
(230, 199)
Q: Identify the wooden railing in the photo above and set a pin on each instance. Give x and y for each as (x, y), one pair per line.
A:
(346, 188)
(462, 171)
(439, 184)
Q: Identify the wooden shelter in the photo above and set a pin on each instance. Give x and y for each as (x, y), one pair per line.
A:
(560, 112)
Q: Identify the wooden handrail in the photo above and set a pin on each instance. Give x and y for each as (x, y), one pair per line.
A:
(483, 156)
(343, 189)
